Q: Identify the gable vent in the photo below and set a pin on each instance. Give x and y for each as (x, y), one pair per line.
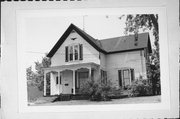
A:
(73, 31)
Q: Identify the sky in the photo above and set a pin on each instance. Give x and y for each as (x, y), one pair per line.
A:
(43, 32)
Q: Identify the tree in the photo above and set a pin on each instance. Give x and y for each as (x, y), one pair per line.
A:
(30, 76)
(39, 79)
(36, 78)
(144, 22)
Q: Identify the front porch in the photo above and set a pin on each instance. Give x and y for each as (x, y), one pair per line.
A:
(68, 79)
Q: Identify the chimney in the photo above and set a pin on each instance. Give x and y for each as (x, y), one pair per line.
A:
(136, 38)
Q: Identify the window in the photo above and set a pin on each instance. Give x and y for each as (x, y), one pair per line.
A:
(103, 76)
(60, 80)
(80, 52)
(74, 52)
(71, 53)
(76, 80)
(80, 77)
(126, 76)
(57, 80)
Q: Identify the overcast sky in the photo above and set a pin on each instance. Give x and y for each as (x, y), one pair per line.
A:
(44, 32)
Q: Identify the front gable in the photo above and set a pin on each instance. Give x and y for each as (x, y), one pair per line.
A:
(95, 43)
(74, 41)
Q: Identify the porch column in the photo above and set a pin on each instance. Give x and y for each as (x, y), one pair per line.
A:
(74, 90)
(90, 73)
(130, 75)
(58, 82)
(44, 83)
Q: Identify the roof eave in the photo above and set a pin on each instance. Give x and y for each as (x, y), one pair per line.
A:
(128, 50)
(65, 35)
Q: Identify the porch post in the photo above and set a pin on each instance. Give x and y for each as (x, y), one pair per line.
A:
(74, 91)
(58, 82)
(90, 73)
(130, 75)
(44, 83)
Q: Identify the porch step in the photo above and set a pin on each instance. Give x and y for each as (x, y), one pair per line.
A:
(63, 97)
(79, 97)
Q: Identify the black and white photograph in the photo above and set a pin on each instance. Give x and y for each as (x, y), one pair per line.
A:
(100, 59)
(89, 59)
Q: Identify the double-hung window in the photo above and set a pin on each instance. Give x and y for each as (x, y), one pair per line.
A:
(74, 52)
(126, 76)
(103, 77)
(71, 53)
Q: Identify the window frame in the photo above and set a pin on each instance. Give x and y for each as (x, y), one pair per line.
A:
(70, 56)
(103, 76)
(122, 78)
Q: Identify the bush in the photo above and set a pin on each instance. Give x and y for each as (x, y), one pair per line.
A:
(140, 88)
(96, 90)
(116, 94)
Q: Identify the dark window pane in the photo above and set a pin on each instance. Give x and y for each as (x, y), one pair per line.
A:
(71, 53)
(76, 52)
(56, 80)
(66, 54)
(120, 79)
(80, 52)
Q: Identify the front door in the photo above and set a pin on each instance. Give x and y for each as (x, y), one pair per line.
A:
(67, 80)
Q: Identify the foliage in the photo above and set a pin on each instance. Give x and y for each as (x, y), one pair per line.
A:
(40, 72)
(96, 90)
(144, 22)
(36, 78)
(140, 88)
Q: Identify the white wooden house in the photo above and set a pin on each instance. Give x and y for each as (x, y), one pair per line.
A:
(77, 56)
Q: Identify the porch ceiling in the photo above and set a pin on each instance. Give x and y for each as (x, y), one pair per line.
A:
(72, 67)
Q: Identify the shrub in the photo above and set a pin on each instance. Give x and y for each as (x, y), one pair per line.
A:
(116, 94)
(96, 90)
(140, 88)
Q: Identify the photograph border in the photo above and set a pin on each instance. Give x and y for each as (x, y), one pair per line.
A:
(164, 60)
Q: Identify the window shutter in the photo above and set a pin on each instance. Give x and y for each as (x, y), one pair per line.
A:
(56, 80)
(132, 74)
(120, 79)
(66, 54)
(80, 52)
(60, 80)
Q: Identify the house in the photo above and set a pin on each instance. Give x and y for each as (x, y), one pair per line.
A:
(77, 56)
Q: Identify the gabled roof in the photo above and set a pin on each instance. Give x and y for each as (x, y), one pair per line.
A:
(107, 46)
(95, 43)
(126, 43)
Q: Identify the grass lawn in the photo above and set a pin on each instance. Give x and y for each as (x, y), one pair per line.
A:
(147, 99)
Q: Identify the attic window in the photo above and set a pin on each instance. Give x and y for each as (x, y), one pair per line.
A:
(73, 31)
(73, 38)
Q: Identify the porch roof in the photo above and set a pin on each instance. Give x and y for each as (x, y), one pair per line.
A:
(72, 66)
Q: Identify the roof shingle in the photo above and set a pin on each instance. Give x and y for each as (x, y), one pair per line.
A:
(125, 43)
(107, 46)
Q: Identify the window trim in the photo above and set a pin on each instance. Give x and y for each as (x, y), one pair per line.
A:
(122, 78)
(69, 55)
(103, 76)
